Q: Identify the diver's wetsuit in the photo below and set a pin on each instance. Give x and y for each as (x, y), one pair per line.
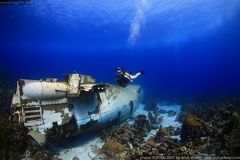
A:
(123, 78)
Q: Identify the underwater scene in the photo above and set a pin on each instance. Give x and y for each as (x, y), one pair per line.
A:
(119, 79)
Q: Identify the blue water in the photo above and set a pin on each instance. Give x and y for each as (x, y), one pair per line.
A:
(186, 48)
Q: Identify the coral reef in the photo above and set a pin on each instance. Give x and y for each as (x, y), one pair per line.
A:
(162, 147)
(155, 119)
(218, 125)
(127, 135)
(192, 128)
(112, 148)
(142, 125)
(208, 130)
(148, 148)
(13, 139)
(135, 147)
(161, 133)
(232, 139)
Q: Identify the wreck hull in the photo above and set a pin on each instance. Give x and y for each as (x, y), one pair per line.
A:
(44, 90)
(116, 105)
(42, 105)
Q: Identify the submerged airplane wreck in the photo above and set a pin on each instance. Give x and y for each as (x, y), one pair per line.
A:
(43, 104)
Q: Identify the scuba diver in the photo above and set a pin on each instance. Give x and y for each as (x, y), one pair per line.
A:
(123, 77)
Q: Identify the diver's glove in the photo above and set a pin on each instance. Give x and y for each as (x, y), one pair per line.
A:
(142, 72)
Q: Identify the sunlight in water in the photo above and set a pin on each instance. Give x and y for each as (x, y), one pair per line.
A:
(137, 21)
